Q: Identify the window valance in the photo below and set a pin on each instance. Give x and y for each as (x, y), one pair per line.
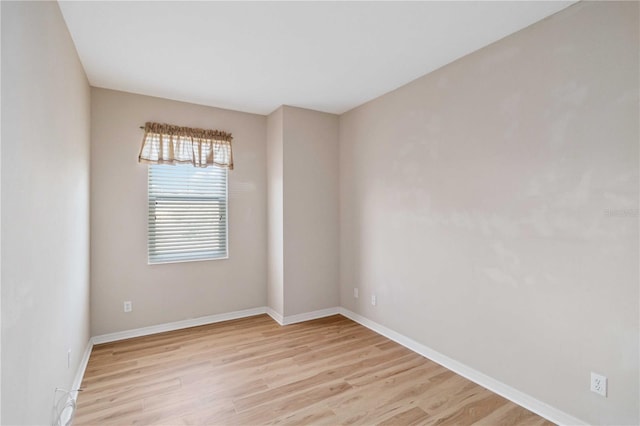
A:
(168, 144)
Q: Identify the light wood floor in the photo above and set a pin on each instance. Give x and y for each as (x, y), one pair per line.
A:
(252, 371)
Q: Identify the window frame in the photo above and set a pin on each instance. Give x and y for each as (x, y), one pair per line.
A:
(226, 225)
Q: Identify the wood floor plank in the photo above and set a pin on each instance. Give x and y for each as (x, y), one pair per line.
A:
(251, 371)
(510, 415)
(471, 409)
(290, 403)
(311, 416)
(412, 416)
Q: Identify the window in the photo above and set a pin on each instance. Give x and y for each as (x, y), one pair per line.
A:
(187, 213)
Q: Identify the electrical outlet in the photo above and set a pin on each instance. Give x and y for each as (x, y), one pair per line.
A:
(598, 384)
(69, 358)
(128, 307)
(355, 292)
(374, 300)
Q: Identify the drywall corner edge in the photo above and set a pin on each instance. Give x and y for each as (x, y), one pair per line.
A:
(276, 316)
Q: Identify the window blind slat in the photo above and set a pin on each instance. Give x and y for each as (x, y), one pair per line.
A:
(187, 213)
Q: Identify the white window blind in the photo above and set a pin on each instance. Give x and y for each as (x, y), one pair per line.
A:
(187, 213)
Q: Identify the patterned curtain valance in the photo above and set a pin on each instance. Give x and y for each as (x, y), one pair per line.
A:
(167, 144)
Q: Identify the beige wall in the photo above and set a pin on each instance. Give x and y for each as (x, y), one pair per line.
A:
(303, 210)
(45, 210)
(310, 210)
(485, 205)
(119, 270)
(491, 206)
(275, 278)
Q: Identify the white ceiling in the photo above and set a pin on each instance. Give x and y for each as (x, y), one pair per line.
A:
(256, 56)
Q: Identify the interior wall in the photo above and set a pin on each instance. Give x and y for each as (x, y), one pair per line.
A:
(45, 210)
(310, 210)
(119, 270)
(492, 208)
(275, 278)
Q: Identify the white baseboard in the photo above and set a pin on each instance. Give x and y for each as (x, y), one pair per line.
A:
(550, 413)
(308, 316)
(77, 381)
(277, 317)
(177, 325)
(210, 319)
(542, 409)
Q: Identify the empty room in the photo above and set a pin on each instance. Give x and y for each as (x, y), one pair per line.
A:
(320, 213)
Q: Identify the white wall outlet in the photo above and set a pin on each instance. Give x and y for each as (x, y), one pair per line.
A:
(598, 384)
(69, 358)
(374, 300)
(128, 307)
(356, 294)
